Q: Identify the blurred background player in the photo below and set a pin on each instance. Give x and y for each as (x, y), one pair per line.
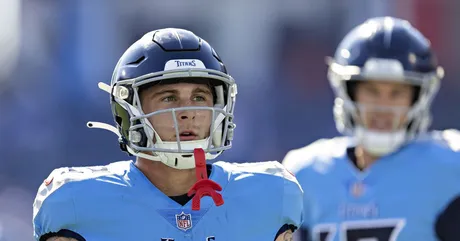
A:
(390, 179)
(172, 101)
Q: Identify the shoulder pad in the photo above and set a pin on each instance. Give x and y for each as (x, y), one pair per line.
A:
(290, 189)
(322, 149)
(60, 177)
(447, 140)
(53, 208)
(273, 168)
(442, 150)
(451, 138)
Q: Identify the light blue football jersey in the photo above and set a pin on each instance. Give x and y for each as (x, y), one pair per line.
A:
(397, 198)
(118, 203)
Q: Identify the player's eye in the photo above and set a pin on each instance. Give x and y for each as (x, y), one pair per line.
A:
(170, 98)
(199, 98)
(371, 90)
(400, 93)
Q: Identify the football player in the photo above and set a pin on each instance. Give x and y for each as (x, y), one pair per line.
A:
(172, 101)
(389, 179)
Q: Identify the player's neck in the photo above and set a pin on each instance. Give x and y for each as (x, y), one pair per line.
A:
(171, 181)
(363, 158)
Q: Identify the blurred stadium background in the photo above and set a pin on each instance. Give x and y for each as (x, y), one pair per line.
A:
(53, 53)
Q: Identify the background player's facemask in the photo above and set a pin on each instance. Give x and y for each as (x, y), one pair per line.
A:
(144, 141)
(381, 129)
(381, 137)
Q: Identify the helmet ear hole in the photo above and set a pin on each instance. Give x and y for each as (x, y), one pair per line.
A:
(143, 142)
(351, 89)
(416, 94)
(118, 120)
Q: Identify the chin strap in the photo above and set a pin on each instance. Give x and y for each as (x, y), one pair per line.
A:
(203, 186)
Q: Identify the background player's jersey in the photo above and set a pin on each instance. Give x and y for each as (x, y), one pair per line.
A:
(398, 198)
(118, 203)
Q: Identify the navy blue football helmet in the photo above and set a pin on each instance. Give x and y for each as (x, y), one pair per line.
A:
(169, 56)
(387, 49)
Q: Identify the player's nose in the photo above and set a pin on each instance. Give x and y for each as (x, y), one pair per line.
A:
(186, 115)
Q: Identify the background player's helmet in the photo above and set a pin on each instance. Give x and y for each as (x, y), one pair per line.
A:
(384, 49)
(170, 56)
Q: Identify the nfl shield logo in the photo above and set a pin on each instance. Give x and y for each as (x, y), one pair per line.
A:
(358, 189)
(184, 221)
